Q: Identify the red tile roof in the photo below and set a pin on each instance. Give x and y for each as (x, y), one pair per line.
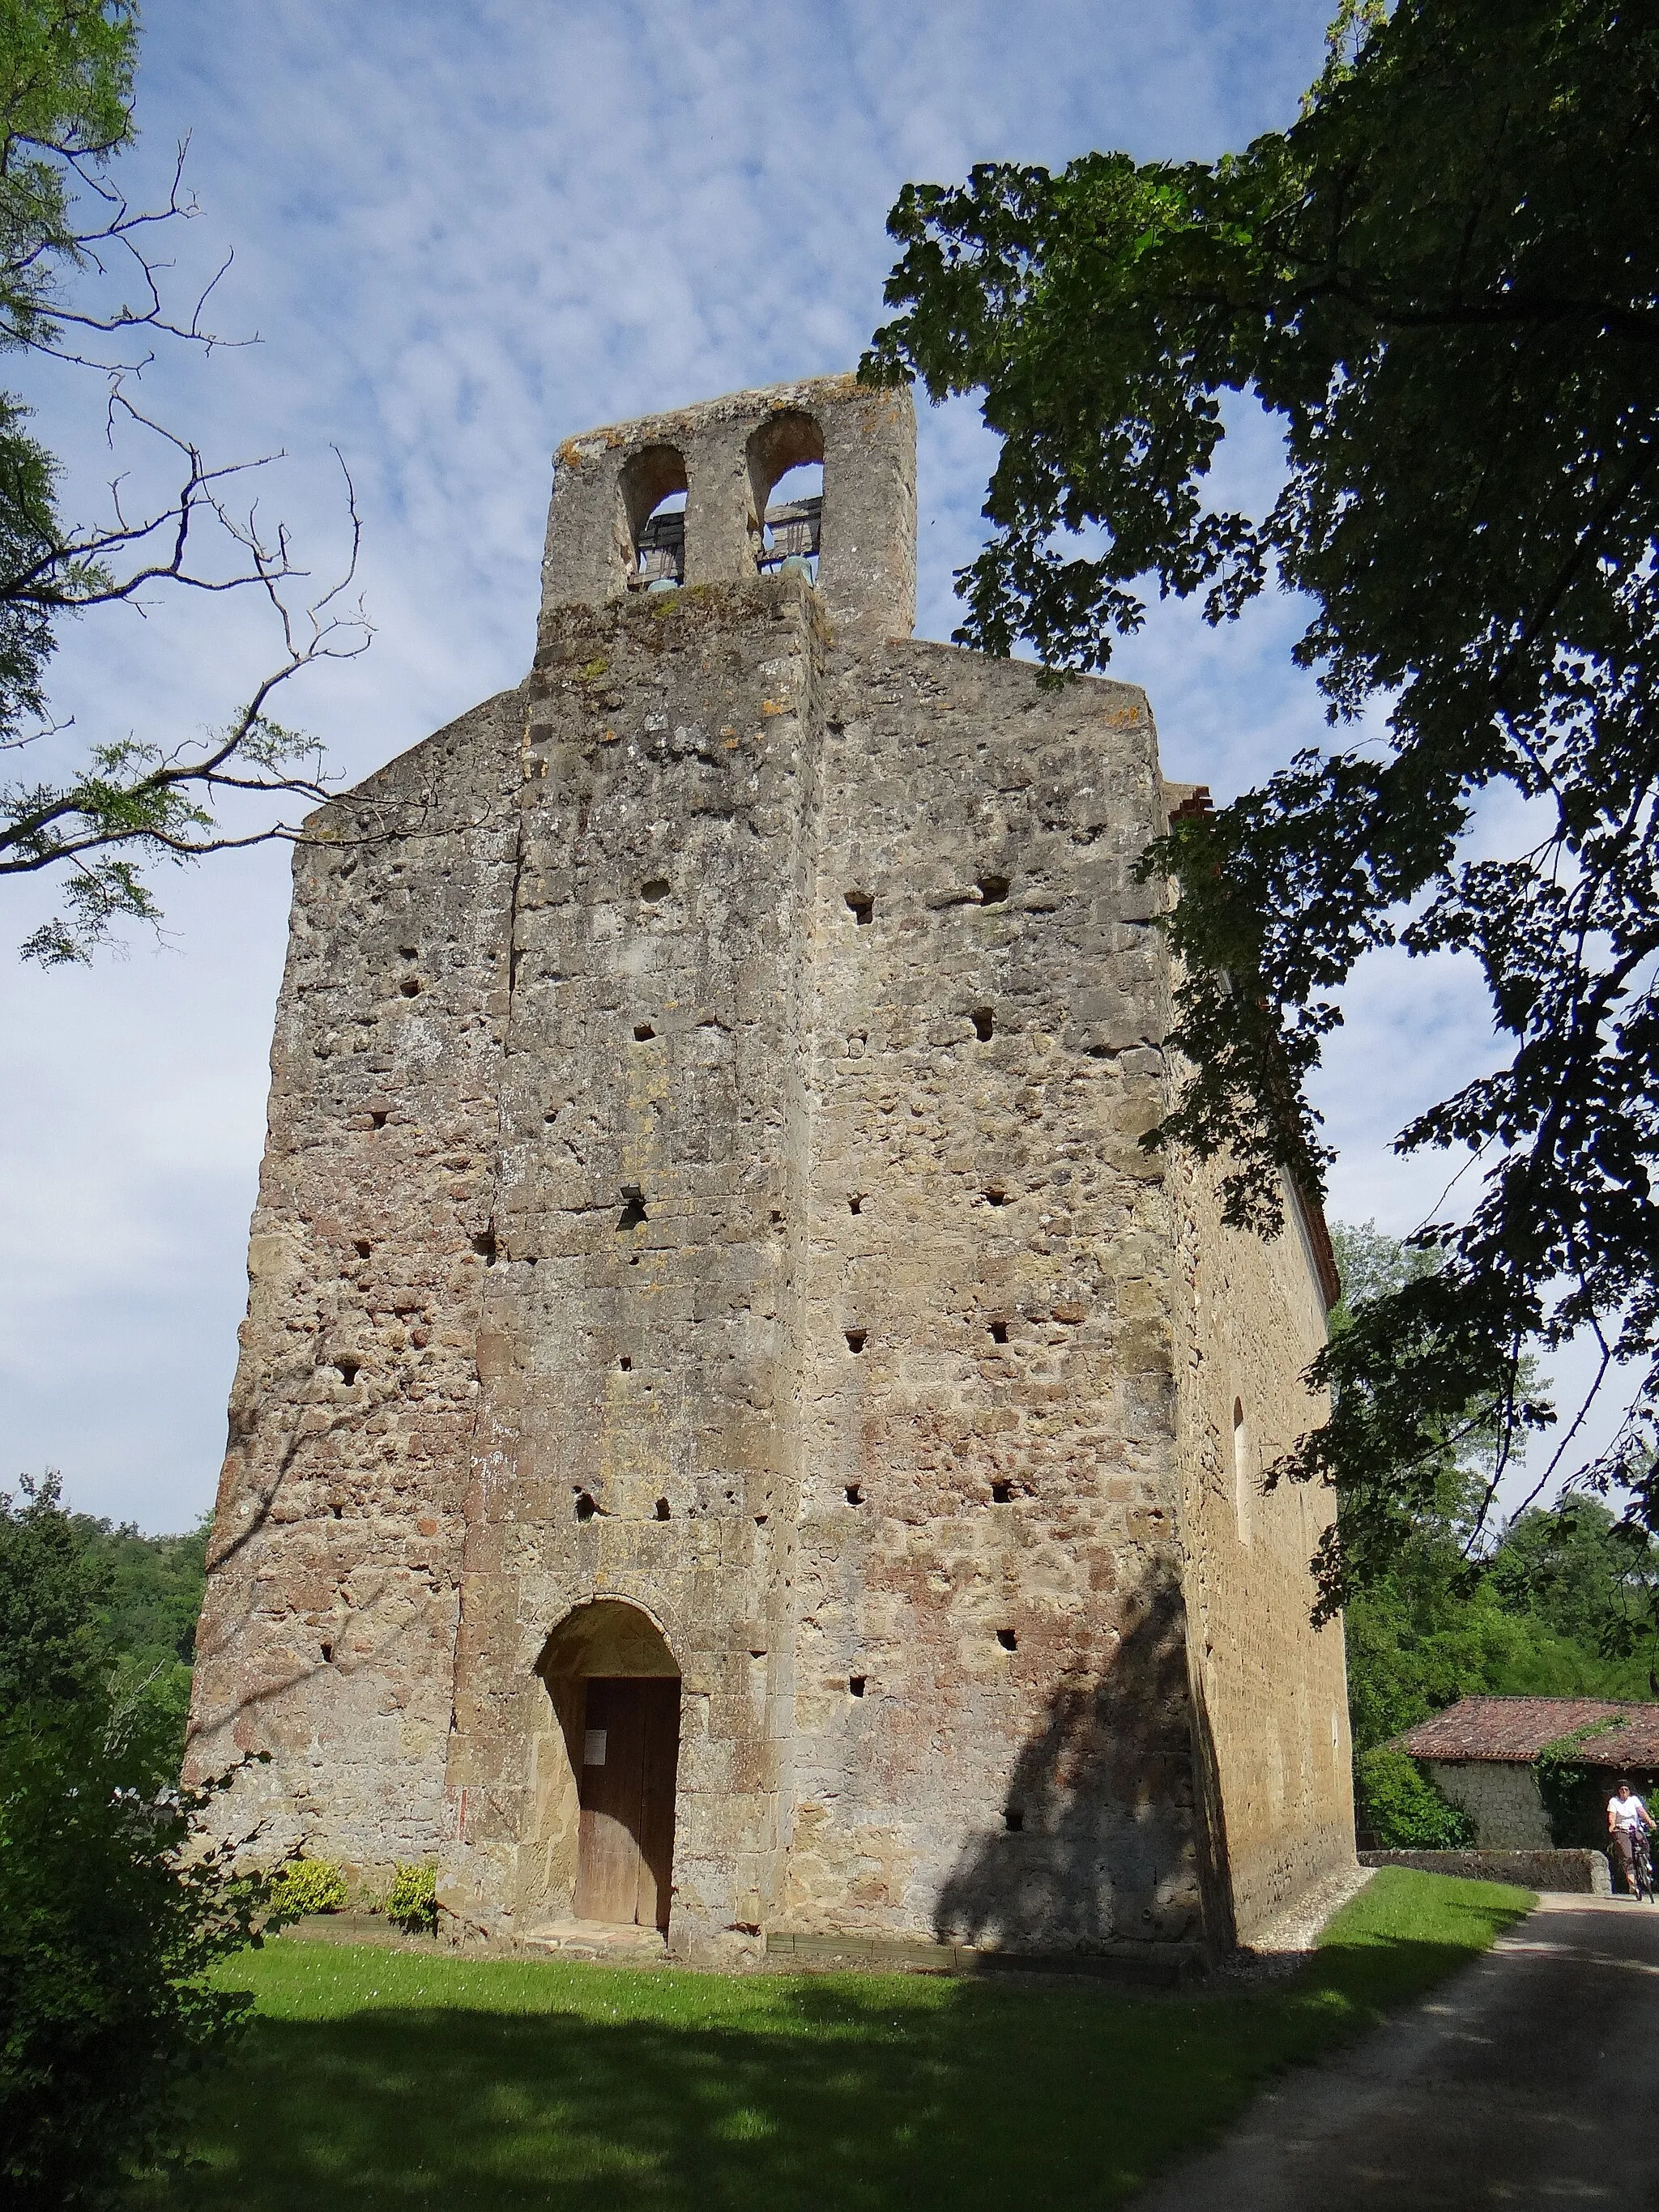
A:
(1517, 1729)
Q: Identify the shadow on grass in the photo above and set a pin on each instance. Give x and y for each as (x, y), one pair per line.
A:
(848, 2093)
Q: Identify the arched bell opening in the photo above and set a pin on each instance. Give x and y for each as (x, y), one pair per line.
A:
(604, 1766)
(786, 494)
(651, 489)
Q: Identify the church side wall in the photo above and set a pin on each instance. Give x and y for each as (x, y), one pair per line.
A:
(326, 1638)
(640, 1349)
(992, 1735)
(1271, 1690)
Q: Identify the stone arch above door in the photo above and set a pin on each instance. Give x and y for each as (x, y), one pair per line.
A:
(604, 1770)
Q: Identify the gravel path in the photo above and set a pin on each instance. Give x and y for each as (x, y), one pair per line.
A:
(1531, 2080)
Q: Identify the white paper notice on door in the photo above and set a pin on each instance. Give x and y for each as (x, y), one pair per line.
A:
(594, 1748)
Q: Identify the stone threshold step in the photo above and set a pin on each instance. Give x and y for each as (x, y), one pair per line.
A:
(594, 1939)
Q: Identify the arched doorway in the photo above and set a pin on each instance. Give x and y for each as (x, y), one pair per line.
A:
(615, 1686)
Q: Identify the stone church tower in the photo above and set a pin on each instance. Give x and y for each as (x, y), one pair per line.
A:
(734, 1435)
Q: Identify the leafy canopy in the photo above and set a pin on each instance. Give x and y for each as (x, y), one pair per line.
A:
(1443, 282)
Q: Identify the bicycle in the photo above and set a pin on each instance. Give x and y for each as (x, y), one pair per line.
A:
(1641, 1867)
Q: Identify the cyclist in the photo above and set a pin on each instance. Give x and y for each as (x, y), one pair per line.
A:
(1629, 1822)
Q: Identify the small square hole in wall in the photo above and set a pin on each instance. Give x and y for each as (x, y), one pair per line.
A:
(857, 1339)
(364, 1247)
(998, 1332)
(586, 1508)
(348, 1368)
(643, 1032)
(985, 1024)
(1013, 1820)
(855, 1685)
(1002, 1493)
(855, 1493)
(1007, 1639)
(996, 1195)
(662, 1509)
(633, 1213)
(378, 1116)
(626, 1364)
(863, 905)
(484, 1245)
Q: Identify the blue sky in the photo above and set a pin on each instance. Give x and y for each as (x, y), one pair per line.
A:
(460, 236)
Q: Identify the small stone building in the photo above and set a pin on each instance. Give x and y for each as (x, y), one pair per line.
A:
(733, 1435)
(1482, 1753)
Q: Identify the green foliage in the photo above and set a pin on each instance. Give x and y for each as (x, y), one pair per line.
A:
(1440, 281)
(50, 1590)
(1550, 1611)
(412, 1899)
(109, 1920)
(304, 1885)
(420, 2077)
(1399, 1803)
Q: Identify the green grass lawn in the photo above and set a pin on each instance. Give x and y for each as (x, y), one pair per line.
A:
(389, 2078)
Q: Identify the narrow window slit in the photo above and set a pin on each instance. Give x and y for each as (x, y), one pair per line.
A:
(855, 1204)
(984, 1023)
(626, 1363)
(855, 1685)
(328, 1655)
(662, 1509)
(1013, 1820)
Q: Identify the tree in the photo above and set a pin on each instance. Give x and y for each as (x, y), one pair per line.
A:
(1445, 1611)
(112, 1909)
(66, 236)
(1442, 282)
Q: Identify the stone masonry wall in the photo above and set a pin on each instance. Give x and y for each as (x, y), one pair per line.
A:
(1271, 1690)
(704, 1232)
(991, 1736)
(328, 1633)
(640, 1349)
(1502, 1797)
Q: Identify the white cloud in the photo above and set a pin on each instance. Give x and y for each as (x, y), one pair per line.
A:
(463, 234)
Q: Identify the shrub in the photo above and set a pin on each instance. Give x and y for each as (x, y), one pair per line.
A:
(412, 1899)
(109, 1925)
(1403, 1807)
(306, 1885)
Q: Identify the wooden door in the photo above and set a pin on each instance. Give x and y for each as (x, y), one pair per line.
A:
(630, 1749)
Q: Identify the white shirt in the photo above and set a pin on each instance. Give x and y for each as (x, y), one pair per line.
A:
(1626, 1812)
